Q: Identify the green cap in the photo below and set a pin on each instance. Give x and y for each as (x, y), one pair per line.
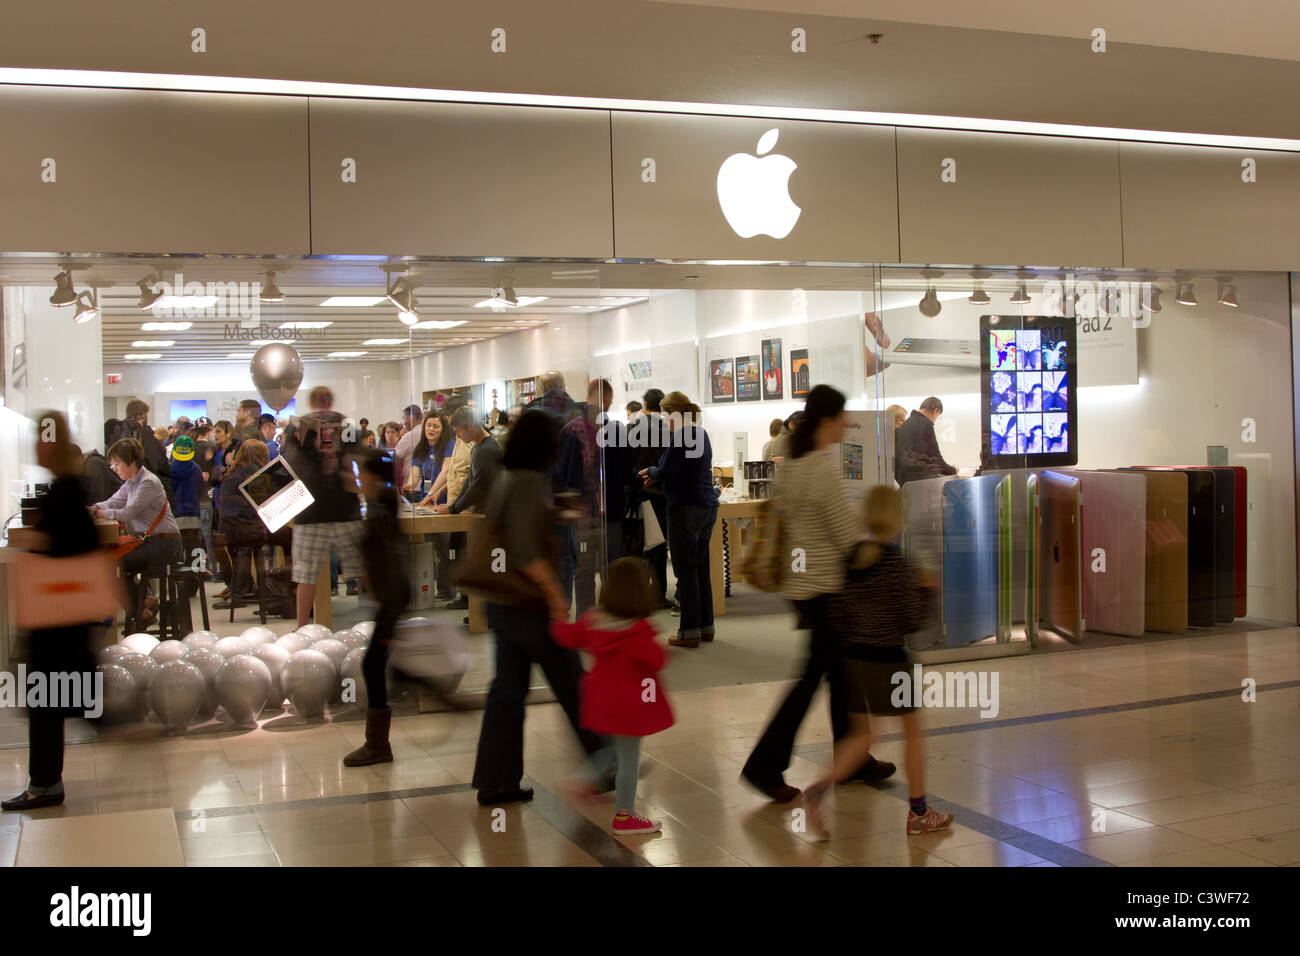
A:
(183, 448)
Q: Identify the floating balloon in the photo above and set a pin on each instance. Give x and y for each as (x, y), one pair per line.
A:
(314, 632)
(200, 639)
(140, 643)
(177, 694)
(110, 654)
(309, 680)
(242, 687)
(352, 671)
(210, 662)
(274, 657)
(229, 647)
(277, 372)
(121, 696)
(295, 642)
(259, 635)
(169, 651)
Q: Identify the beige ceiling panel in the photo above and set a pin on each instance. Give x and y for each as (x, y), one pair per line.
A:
(1190, 207)
(433, 179)
(130, 171)
(695, 187)
(1007, 199)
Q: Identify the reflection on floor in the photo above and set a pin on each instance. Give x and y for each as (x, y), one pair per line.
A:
(1142, 754)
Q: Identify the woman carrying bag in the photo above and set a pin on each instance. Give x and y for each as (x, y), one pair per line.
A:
(70, 533)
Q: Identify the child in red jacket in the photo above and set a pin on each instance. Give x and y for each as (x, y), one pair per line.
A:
(621, 696)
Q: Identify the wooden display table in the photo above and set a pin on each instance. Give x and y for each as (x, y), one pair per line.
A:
(416, 527)
(734, 553)
(24, 538)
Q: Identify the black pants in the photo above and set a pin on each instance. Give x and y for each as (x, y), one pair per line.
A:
(771, 756)
(522, 639)
(56, 650)
(374, 666)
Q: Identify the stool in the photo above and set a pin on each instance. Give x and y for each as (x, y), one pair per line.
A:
(176, 579)
(221, 540)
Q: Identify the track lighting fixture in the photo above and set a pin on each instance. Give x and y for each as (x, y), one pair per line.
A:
(1151, 294)
(1020, 296)
(148, 297)
(64, 293)
(979, 297)
(930, 305)
(402, 295)
(87, 307)
(1186, 294)
(270, 291)
(1228, 294)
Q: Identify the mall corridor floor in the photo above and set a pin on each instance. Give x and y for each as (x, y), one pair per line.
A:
(1144, 754)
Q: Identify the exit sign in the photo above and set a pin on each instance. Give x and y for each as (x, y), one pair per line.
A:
(113, 377)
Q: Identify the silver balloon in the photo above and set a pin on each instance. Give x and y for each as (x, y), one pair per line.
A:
(352, 672)
(334, 650)
(314, 632)
(295, 642)
(140, 643)
(259, 635)
(110, 654)
(309, 680)
(277, 372)
(274, 657)
(229, 647)
(169, 651)
(121, 696)
(242, 687)
(207, 660)
(177, 694)
(352, 640)
(142, 668)
(201, 639)
(365, 629)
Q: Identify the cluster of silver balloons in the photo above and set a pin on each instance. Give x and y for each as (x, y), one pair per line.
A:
(185, 681)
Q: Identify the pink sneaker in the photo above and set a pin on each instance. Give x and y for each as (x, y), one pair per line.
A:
(930, 823)
(626, 822)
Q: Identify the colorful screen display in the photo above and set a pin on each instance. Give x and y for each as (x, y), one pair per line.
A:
(1028, 374)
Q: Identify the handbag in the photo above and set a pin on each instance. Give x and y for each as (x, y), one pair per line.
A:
(61, 592)
(485, 573)
(654, 534)
(764, 562)
(126, 543)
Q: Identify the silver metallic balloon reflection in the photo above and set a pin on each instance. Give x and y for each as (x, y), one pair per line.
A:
(169, 651)
(207, 660)
(295, 642)
(242, 687)
(314, 632)
(310, 680)
(277, 372)
(365, 629)
(110, 654)
(351, 639)
(259, 635)
(229, 647)
(352, 671)
(121, 697)
(200, 639)
(274, 657)
(142, 668)
(177, 693)
(334, 650)
(140, 643)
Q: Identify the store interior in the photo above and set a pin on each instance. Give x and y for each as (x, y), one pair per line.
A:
(1169, 369)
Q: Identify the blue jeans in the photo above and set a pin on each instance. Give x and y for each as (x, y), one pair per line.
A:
(689, 530)
(624, 755)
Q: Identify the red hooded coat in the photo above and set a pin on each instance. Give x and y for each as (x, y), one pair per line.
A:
(617, 694)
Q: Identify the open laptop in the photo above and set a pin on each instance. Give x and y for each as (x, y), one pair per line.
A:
(277, 494)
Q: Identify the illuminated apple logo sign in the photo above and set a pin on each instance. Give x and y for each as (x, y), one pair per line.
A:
(755, 193)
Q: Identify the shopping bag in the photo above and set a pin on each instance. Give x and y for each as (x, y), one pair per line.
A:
(654, 535)
(764, 562)
(484, 572)
(60, 592)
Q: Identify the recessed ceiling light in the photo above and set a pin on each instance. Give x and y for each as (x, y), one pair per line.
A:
(344, 354)
(153, 344)
(354, 301)
(438, 324)
(385, 341)
(186, 302)
(141, 356)
(305, 325)
(240, 355)
(166, 326)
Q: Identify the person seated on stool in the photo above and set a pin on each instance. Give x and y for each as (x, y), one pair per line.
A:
(239, 523)
(140, 505)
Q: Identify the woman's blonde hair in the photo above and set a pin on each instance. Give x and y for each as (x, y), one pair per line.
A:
(883, 511)
(677, 403)
(251, 452)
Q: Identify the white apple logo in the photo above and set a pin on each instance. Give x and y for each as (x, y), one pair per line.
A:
(755, 193)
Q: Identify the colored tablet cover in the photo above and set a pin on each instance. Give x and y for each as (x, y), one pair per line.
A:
(1166, 533)
(1060, 582)
(1114, 507)
(923, 544)
(1004, 559)
(1240, 525)
(1201, 583)
(970, 560)
(1031, 560)
(1225, 543)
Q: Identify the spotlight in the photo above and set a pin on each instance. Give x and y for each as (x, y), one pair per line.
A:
(87, 307)
(402, 295)
(148, 297)
(1228, 295)
(979, 297)
(64, 293)
(270, 291)
(1152, 291)
(929, 305)
(506, 293)
(1020, 296)
(1186, 294)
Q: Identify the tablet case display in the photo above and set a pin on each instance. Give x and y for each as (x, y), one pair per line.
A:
(1114, 508)
(1005, 561)
(1225, 543)
(1060, 586)
(1201, 583)
(1166, 551)
(1031, 559)
(970, 559)
(923, 545)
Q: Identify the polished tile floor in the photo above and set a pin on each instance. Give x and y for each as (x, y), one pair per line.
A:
(1144, 754)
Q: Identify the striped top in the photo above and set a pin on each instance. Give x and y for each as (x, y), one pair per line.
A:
(816, 517)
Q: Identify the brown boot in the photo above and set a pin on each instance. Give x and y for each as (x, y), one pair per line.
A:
(376, 748)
